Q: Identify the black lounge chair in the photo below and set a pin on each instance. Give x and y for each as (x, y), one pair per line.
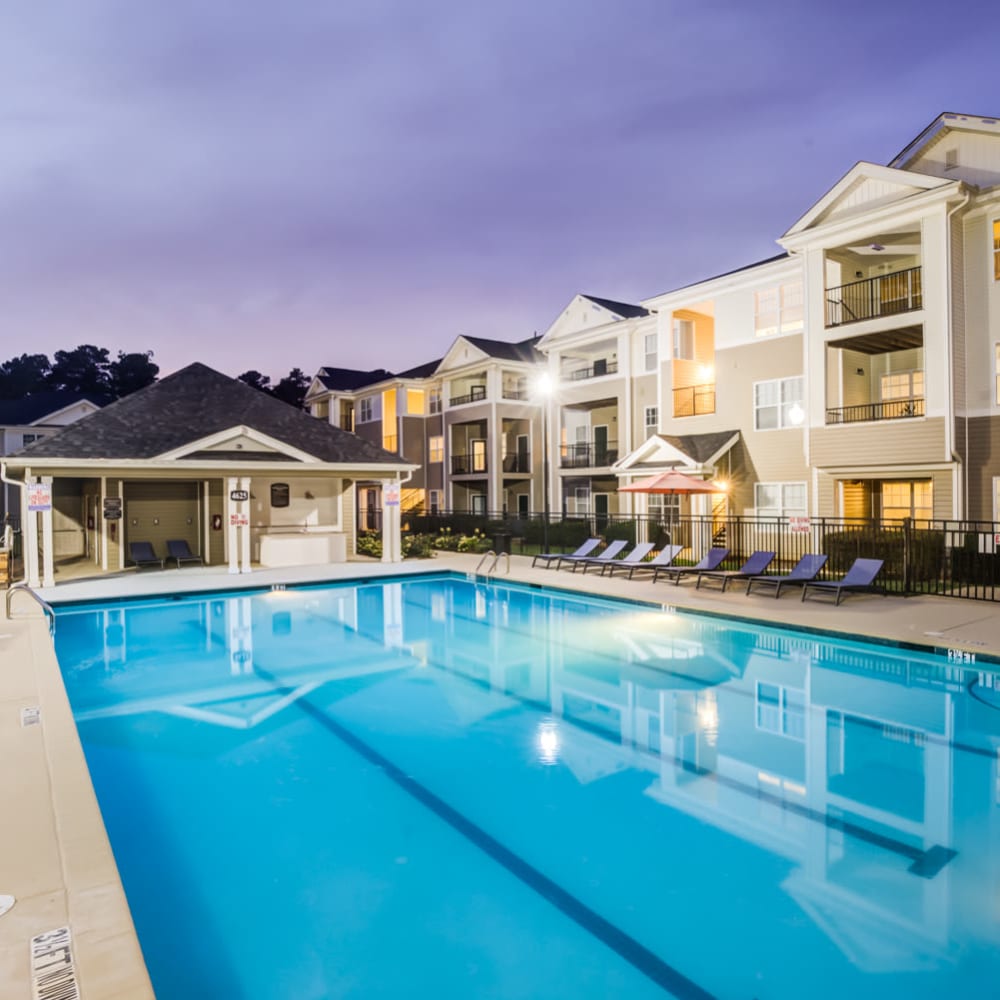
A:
(754, 566)
(179, 550)
(803, 572)
(584, 550)
(667, 555)
(629, 559)
(860, 578)
(713, 560)
(142, 555)
(611, 552)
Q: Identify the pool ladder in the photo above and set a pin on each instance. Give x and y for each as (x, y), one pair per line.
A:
(46, 607)
(495, 565)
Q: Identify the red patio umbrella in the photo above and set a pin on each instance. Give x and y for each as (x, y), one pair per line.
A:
(672, 482)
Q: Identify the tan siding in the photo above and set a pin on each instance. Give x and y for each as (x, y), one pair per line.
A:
(67, 518)
(173, 504)
(890, 443)
(216, 508)
(941, 494)
(826, 496)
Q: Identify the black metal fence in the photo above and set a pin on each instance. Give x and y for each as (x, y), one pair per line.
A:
(947, 558)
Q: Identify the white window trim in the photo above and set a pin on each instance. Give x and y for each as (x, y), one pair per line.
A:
(781, 708)
(367, 402)
(780, 382)
(650, 357)
(783, 509)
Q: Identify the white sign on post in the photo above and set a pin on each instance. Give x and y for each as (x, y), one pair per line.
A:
(39, 496)
(390, 495)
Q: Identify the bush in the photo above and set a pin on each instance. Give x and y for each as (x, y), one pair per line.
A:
(476, 542)
(926, 553)
(566, 534)
(417, 547)
(369, 544)
(620, 530)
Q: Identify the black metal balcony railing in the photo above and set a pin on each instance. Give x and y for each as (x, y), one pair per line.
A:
(886, 295)
(893, 409)
(467, 465)
(517, 463)
(694, 400)
(514, 393)
(588, 455)
(597, 369)
(476, 393)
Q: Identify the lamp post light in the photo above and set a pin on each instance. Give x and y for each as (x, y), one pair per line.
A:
(543, 391)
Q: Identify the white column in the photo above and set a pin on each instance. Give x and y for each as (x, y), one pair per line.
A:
(245, 529)
(231, 536)
(206, 522)
(121, 526)
(48, 557)
(386, 525)
(104, 524)
(29, 520)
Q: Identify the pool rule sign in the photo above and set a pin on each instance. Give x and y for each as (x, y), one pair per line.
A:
(112, 508)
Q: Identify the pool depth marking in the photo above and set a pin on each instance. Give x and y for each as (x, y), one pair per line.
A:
(636, 954)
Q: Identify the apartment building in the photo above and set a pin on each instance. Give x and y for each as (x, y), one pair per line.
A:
(468, 419)
(855, 374)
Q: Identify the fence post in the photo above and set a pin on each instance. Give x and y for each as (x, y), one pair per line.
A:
(907, 549)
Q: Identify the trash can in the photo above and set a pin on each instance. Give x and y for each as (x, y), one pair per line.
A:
(501, 542)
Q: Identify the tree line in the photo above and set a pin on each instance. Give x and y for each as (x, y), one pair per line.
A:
(91, 370)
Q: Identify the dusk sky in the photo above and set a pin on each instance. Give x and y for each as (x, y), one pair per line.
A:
(275, 184)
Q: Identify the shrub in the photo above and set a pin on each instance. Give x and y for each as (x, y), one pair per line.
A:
(620, 529)
(417, 547)
(369, 544)
(476, 542)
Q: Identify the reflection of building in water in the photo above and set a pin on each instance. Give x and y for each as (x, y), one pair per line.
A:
(838, 759)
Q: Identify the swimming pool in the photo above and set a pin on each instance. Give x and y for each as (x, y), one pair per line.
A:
(436, 787)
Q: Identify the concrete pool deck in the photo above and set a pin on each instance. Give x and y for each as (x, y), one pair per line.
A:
(55, 858)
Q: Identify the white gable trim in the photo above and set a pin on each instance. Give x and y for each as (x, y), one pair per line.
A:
(908, 182)
(45, 418)
(239, 430)
(657, 450)
(460, 354)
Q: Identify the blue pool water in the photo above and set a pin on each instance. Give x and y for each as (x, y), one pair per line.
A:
(437, 788)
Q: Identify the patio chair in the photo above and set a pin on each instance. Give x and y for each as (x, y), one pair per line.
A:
(860, 578)
(629, 559)
(754, 566)
(712, 560)
(142, 554)
(667, 555)
(611, 552)
(179, 550)
(803, 572)
(584, 550)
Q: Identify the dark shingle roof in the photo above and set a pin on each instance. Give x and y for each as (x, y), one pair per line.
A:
(624, 309)
(14, 412)
(523, 350)
(699, 447)
(725, 274)
(421, 371)
(349, 379)
(190, 405)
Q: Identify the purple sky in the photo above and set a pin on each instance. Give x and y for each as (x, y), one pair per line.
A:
(261, 184)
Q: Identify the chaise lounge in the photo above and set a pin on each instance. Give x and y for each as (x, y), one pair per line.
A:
(860, 578)
(754, 566)
(803, 572)
(142, 554)
(179, 550)
(582, 552)
(712, 560)
(632, 558)
(667, 555)
(611, 552)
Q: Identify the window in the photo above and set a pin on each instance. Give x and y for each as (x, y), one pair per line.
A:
(649, 349)
(684, 339)
(434, 500)
(581, 499)
(435, 449)
(777, 403)
(778, 309)
(27, 439)
(902, 385)
(434, 401)
(415, 402)
(365, 411)
(780, 710)
(652, 420)
(905, 498)
(665, 507)
(780, 499)
(996, 250)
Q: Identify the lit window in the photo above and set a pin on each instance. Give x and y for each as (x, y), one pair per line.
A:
(649, 349)
(777, 403)
(415, 402)
(435, 449)
(778, 309)
(365, 410)
(905, 498)
(652, 421)
(780, 499)
(684, 339)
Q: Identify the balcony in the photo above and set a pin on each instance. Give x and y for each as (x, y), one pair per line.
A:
(588, 455)
(468, 465)
(893, 409)
(515, 393)
(886, 295)
(694, 400)
(596, 370)
(476, 394)
(517, 463)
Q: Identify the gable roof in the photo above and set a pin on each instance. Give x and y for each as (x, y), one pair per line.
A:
(33, 408)
(948, 121)
(624, 309)
(349, 379)
(669, 451)
(425, 370)
(190, 405)
(523, 350)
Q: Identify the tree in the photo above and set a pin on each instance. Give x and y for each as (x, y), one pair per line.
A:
(84, 369)
(131, 372)
(21, 376)
(255, 380)
(292, 388)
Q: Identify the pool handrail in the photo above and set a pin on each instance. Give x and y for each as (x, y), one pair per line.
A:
(46, 607)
